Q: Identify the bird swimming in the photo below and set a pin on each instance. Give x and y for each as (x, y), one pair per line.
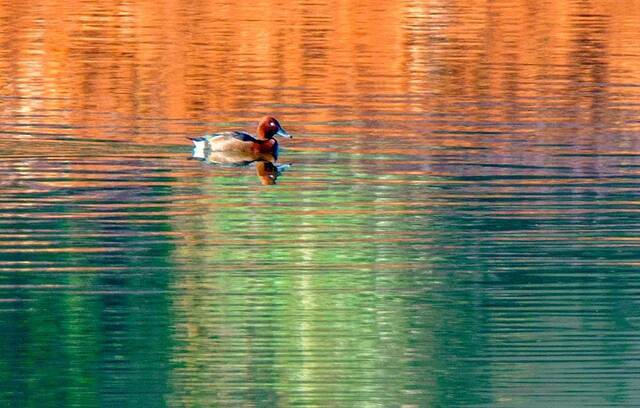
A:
(241, 147)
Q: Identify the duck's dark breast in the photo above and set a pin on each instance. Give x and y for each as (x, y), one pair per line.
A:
(267, 147)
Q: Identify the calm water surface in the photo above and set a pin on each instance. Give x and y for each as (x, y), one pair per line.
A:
(460, 225)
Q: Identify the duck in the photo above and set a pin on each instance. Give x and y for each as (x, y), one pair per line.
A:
(238, 147)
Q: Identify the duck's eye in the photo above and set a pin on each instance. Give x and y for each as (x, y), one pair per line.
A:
(272, 124)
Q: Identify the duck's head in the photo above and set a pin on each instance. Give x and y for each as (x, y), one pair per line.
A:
(270, 127)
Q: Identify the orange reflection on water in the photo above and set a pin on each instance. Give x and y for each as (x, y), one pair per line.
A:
(113, 66)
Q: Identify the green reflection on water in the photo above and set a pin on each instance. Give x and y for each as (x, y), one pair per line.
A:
(316, 294)
(320, 297)
(87, 324)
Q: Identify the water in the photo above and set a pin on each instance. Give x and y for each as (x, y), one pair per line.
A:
(459, 225)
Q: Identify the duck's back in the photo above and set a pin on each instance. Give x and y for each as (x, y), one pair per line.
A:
(228, 140)
(225, 141)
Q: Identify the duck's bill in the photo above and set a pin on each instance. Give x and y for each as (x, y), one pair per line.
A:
(283, 133)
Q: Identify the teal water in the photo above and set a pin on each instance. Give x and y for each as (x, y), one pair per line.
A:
(431, 245)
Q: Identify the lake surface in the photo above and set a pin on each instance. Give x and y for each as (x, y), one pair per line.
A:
(460, 224)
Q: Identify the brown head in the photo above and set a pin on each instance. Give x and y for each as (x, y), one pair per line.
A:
(270, 127)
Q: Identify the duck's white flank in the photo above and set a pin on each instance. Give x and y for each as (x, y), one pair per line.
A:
(198, 148)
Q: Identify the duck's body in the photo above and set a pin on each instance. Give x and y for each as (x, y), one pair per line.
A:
(241, 147)
(235, 147)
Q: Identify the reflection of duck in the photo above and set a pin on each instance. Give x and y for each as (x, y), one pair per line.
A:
(240, 147)
(268, 172)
